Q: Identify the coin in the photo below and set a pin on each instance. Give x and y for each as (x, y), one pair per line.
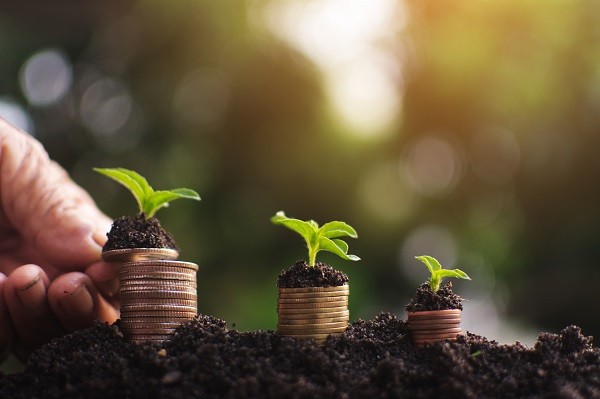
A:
(151, 330)
(343, 312)
(153, 306)
(137, 275)
(156, 264)
(432, 327)
(312, 305)
(342, 288)
(160, 301)
(146, 321)
(159, 294)
(429, 314)
(155, 282)
(287, 311)
(158, 313)
(323, 294)
(306, 321)
(312, 327)
(136, 254)
(313, 299)
(136, 268)
(157, 288)
(433, 322)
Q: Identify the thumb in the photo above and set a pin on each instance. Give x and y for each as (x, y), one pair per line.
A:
(49, 210)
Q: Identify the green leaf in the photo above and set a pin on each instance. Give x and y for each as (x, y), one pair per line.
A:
(148, 200)
(329, 245)
(342, 244)
(305, 229)
(338, 229)
(161, 199)
(431, 263)
(129, 180)
(456, 273)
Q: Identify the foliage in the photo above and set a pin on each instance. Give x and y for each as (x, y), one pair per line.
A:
(148, 200)
(438, 273)
(324, 238)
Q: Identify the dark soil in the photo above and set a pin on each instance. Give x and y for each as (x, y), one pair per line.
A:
(426, 299)
(302, 275)
(138, 232)
(372, 359)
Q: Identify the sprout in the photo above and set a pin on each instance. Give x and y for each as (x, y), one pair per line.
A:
(437, 273)
(324, 238)
(148, 200)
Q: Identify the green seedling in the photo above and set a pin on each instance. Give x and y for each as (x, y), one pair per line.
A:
(324, 238)
(148, 200)
(438, 273)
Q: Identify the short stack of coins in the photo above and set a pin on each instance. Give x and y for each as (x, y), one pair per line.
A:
(313, 312)
(157, 296)
(427, 327)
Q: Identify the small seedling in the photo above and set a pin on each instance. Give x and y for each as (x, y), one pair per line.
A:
(148, 200)
(438, 273)
(324, 238)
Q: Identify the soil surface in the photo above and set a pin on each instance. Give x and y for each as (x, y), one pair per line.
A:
(138, 232)
(302, 275)
(372, 359)
(426, 299)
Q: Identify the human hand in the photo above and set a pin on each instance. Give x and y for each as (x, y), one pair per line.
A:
(52, 278)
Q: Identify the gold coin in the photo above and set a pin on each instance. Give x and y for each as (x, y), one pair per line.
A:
(159, 301)
(158, 313)
(432, 314)
(156, 288)
(157, 269)
(341, 288)
(313, 299)
(157, 275)
(433, 327)
(159, 294)
(434, 322)
(312, 305)
(161, 322)
(324, 294)
(287, 311)
(150, 331)
(313, 313)
(157, 264)
(313, 321)
(311, 327)
(136, 254)
(154, 282)
(152, 307)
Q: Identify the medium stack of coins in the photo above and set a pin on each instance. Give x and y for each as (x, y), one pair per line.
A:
(313, 312)
(157, 296)
(431, 326)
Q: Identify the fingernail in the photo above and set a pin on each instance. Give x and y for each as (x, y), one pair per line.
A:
(78, 303)
(31, 293)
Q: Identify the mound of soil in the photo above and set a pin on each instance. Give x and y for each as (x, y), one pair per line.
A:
(372, 359)
(138, 232)
(302, 275)
(426, 299)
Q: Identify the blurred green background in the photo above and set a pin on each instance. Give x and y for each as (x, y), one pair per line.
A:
(467, 130)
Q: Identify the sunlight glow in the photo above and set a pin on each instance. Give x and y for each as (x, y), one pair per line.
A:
(346, 40)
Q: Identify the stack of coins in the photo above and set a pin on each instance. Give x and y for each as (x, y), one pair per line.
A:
(135, 254)
(431, 326)
(157, 296)
(313, 312)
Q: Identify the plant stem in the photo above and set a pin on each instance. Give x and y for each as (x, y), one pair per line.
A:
(312, 255)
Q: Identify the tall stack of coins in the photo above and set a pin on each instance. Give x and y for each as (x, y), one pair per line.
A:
(313, 312)
(157, 296)
(431, 326)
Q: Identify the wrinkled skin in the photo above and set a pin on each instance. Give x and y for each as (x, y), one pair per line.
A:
(52, 278)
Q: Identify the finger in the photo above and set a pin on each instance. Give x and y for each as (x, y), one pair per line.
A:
(77, 303)
(106, 278)
(6, 328)
(25, 293)
(45, 205)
